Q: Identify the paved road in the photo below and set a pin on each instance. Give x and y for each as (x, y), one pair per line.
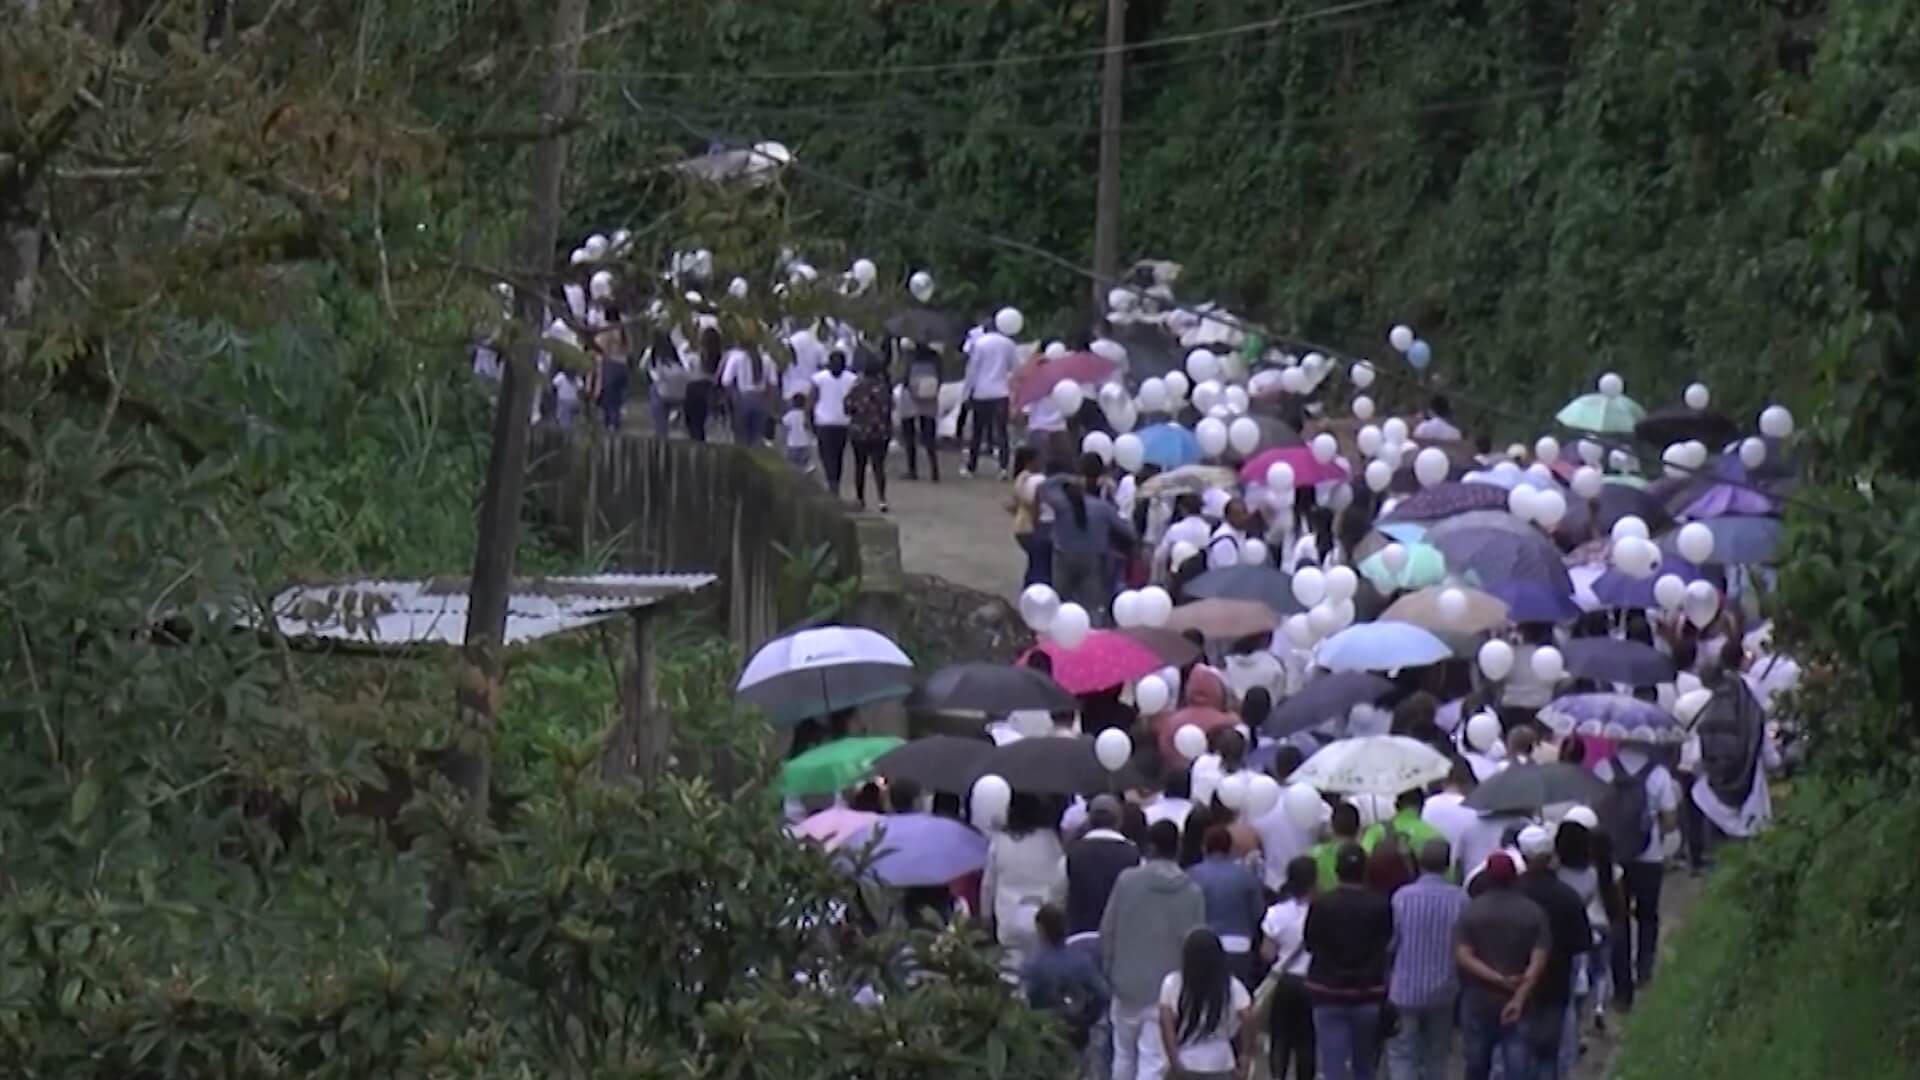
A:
(957, 529)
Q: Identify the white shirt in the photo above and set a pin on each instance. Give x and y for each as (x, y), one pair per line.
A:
(1044, 415)
(991, 358)
(831, 406)
(565, 390)
(1482, 838)
(1285, 924)
(1447, 813)
(795, 423)
(1522, 689)
(809, 356)
(1022, 873)
(1663, 797)
(1434, 429)
(1262, 669)
(1280, 842)
(743, 371)
(1167, 808)
(1208, 1051)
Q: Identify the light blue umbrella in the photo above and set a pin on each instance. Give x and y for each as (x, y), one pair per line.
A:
(1407, 532)
(1170, 446)
(1605, 413)
(918, 849)
(1381, 646)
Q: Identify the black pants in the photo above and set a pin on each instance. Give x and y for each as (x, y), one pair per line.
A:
(694, 411)
(870, 454)
(917, 432)
(833, 452)
(1636, 943)
(1290, 1026)
(990, 421)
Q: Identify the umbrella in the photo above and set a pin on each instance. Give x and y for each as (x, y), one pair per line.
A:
(1050, 765)
(1273, 432)
(1171, 647)
(1106, 659)
(1597, 516)
(938, 762)
(1037, 378)
(1524, 789)
(1422, 609)
(832, 825)
(1425, 566)
(1381, 646)
(1151, 351)
(1328, 697)
(1384, 765)
(1616, 660)
(1663, 427)
(1448, 499)
(1307, 469)
(1535, 602)
(1583, 576)
(1169, 446)
(1735, 540)
(1224, 620)
(824, 669)
(1404, 532)
(1497, 520)
(1723, 500)
(926, 326)
(1619, 717)
(1189, 480)
(912, 850)
(828, 768)
(1605, 413)
(1617, 590)
(992, 688)
(1259, 583)
(1492, 555)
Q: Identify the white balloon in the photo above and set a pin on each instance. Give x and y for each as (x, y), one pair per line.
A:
(1549, 509)
(921, 285)
(1612, 385)
(1243, 435)
(1430, 466)
(1303, 806)
(1203, 365)
(1630, 525)
(1068, 397)
(1263, 794)
(1394, 558)
(1546, 450)
(1237, 399)
(1280, 477)
(1232, 791)
(1206, 395)
(1190, 741)
(1156, 606)
(1039, 605)
(1674, 457)
(1126, 609)
(1113, 748)
(1009, 321)
(1548, 665)
(1205, 783)
(1776, 422)
(1031, 723)
(1153, 395)
(1635, 556)
(1099, 444)
(1129, 452)
(1152, 696)
(1401, 338)
(1221, 556)
(1394, 430)
(1220, 412)
(864, 271)
(1182, 551)
(1295, 381)
(1496, 659)
(1702, 602)
(1369, 440)
(1697, 396)
(1342, 496)
(1451, 606)
(1697, 453)
(1483, 731)
(1622, 462)
(596, 246)
(1343, 613)
(703, 264)
(1363, 407)
(1121, 300)
(1591, 452)
(1071, 624)
(1342, 583)
(990, 799)
(1753, 452)
(1253, 551)
(1695, 543)
(1178, 385)
(1299, 631)
(1520, 502)
(1379, 475)
(1669, 592)
(600, 285)
(1361, 375)
(1325, 447)
(1212, 435)
(1309, 586)
(1324, 618)
(1055, 348)
(1587, 482)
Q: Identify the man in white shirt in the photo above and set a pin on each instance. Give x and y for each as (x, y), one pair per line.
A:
(1446, 810)
(1047, 431)
(991, 360)
(1642, 872)
(809, 356)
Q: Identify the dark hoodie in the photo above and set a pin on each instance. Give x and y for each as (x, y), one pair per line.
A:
(1731, 729)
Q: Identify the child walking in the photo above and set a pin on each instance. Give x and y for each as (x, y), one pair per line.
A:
(799, 440)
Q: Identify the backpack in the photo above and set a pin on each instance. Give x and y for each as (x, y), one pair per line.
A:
(1630, 813)
(923, 379)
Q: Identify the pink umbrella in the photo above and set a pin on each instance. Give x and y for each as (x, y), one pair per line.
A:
(1307, 469)
(1040, 375)
(834, 825)
(1105, 660)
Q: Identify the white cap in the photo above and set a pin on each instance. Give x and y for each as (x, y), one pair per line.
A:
(1584, 817)
(1213, 504)
(1535, 842)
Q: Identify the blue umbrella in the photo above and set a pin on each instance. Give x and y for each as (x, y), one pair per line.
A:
(1169, 446)
(918, 849)
(1736, 540)
(1495, 555)
(1262, 583)
(1407, 532)
(1618, 590)
(1614, 660)
(1534, 602)
(1381, 646)
(1328, 697)
(1619, 717)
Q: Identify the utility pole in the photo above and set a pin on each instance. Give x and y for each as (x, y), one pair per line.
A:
(468, 763)
(1106, 214)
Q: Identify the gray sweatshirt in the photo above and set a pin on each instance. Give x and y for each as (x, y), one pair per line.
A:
(1153, 908)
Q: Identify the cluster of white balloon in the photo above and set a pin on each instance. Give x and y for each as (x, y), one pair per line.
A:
(1496, 659)
(1068, 624)
(1328, 597)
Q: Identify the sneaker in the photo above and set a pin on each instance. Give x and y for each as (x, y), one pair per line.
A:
(883, 508)
(1005, 475)
(965, 472)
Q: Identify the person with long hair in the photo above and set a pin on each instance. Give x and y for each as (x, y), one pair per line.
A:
(1026, 868)
(870, 429)
(1284, 945)
(1203, 1010)
(1032, 520)
(614, 373)
(666, 381)
(1087, 530)
(706, 368)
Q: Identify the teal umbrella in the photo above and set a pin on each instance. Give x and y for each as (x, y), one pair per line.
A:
(1605, 413)
(1425, 566)
(824, 770)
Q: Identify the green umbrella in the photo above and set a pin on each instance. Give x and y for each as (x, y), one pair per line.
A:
(1625, 480)
(1425, 566)
(1604, 413)
(824, 770)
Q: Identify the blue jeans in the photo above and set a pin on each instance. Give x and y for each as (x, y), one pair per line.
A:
(1486, 1038)
(1348, 1038)
(1418, 1050)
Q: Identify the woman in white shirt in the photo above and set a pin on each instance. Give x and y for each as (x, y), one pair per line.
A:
(1203, 1009)
(1026, 868)
(830, 416)
(1283, 935)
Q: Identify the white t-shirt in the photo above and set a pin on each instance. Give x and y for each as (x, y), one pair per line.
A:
(1167, 808)
(1663, 797)
(1209, 1051)
(1522, 689)
(745, 372)
(1044, 415)
(565, 390)
(1434, 429)
(831, 406)
(1448, 813)
(991, 358)
(1281, 841)
(809, 357)
(795, 423)
(1285, 924)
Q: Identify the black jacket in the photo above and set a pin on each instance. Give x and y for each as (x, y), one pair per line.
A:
(1094, 862)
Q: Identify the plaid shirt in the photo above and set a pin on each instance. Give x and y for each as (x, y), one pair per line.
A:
(1424, 914)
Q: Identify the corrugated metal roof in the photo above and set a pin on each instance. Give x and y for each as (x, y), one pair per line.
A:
(398, 614)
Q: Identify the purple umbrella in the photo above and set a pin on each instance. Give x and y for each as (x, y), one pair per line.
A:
(1494, 555)
(1721, 500)
(1446, 500)
(1596, 517)
(1325, 698)
(1531, 601)
(1617, 590)
(1612, 716)
(1735, 540)
(1614, 660)
(919, 849)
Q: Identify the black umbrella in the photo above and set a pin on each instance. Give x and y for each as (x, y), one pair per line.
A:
(1151, 351)
(1325, 698)
(1050, 765)
(1524, 789)
(926, 326)
(1663, 427)
(1262, 583)
(938, 762)
(992, 688)
(1596, 517)
(1613, 660)
(1172, 648)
